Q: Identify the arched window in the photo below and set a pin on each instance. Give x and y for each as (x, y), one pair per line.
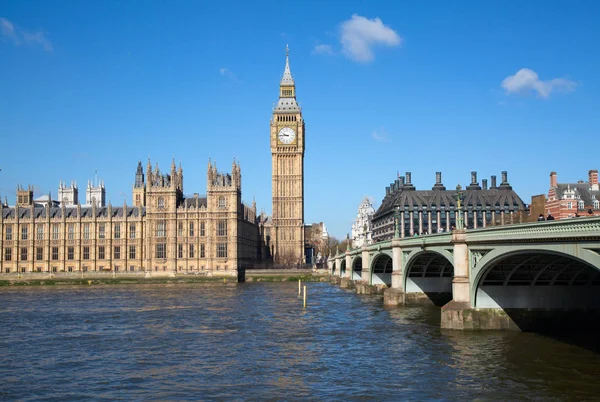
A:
(161, 203)
(580, 205)
(222, 204)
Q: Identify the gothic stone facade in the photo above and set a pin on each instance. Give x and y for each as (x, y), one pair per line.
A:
(163, 233)
(287, 151)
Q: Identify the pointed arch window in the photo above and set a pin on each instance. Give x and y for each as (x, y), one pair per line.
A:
(221, 203)
(161, 202)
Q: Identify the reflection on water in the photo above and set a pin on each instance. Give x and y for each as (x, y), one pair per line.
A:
(255, 341)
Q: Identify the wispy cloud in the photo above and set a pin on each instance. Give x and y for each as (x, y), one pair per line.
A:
(359, 35)
(225, 72)
(18, 36)
(323, 49)
(380, 135)
(526, 80)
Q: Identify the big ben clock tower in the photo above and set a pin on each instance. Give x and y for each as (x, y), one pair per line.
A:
(287, 152)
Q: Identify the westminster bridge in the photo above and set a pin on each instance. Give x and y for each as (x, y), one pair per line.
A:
(529, 276)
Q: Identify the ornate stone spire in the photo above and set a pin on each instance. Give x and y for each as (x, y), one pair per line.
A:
(287, 79)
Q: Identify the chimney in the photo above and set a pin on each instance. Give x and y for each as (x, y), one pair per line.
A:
(401, 181)
(387, 191)
(474, 185)
(438, 182)
(552, 179)
(593, 178)
(504, 177)
(484, 183)
(408, 185)
(493, 182)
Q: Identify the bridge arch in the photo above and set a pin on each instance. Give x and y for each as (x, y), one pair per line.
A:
(357, 268)
(381, 269)
(537, 277)
(342, 267)
(429, 272)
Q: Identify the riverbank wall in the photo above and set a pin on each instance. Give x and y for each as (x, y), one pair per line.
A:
(109, 278)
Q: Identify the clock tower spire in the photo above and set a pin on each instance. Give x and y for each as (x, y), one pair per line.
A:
(287, 153)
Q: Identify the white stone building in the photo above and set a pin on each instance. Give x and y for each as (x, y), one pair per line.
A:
(362, 228)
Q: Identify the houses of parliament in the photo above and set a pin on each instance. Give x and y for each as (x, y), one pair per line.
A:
(165, 232)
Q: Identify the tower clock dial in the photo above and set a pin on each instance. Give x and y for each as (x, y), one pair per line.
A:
(286, 135)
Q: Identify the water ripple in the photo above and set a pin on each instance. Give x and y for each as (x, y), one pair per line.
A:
(256, 342)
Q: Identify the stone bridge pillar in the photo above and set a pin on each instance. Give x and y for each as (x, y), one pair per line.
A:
(366, 266)
(348, 265)
(394, 296)
(365, 262)
(455, 313)
(460, 281)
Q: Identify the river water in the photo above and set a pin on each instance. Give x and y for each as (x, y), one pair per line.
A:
(255, 342)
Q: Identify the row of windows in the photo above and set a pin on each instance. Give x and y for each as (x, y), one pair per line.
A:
(161, 250)
(581, 205)
(55, 232)
(54, 253)
(82, 269)
(191, 251)
(161, 230)
(221, 202)
(286, 92)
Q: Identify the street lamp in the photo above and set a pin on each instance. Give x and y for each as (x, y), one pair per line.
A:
(396, 219)
(459, 216)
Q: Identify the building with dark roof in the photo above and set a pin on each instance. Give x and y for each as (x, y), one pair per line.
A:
(435, 210)
(570, 200)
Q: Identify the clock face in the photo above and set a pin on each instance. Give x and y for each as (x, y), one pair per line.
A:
(286, 135)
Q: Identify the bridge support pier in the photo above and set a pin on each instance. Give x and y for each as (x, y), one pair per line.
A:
(458, 311)
(348, 273)
(395, 295)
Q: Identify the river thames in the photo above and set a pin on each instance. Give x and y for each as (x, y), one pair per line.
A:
(256, 342)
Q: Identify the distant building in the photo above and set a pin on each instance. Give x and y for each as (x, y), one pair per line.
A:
(95, 194)
(537, 207)
(68, 195)
(362, 228)
(569, 200)
(435, 210)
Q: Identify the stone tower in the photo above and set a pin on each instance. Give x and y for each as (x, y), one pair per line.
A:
(224, 198)
(24, 196)
(287, 151)
(68, 195)
(164, 192)
(95, 194)
(139, 187)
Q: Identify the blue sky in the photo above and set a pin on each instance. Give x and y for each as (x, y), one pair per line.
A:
(386, 87)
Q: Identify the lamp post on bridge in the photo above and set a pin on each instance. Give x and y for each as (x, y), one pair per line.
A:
(459, 218)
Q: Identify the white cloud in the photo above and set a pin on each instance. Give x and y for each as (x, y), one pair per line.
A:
(225, 72)
(323, 49)
(526, 80)
(18, 36)
(380, 135)
(359, 35)
(7, 30)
